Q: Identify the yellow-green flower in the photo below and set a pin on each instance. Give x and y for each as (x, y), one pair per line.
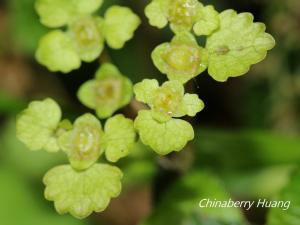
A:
(181, 59)
(85, 35)
(183, 15)
(86, 141)
(108, 92)
(157, 126)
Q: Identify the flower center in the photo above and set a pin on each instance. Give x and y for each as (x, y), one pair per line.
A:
(108, 90)
(167, 100)
(87, 141)
(183, 12)
(183, 58)
(86, 32)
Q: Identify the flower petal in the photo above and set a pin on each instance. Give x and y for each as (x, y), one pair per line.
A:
(119, 26)
(119, 137)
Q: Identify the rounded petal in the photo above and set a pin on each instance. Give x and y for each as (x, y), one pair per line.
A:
(107, 70)
(85, 7)
(54, 13)
(83, 143)
(119, 137)
(86, 94)
(57, 52)
(163, 138)
(236, 45)
(144, 91)
(207, 22)
(119, 26)
(193, 104)
(57, 13)
(157, 13)
(81, 193)
(37, 124)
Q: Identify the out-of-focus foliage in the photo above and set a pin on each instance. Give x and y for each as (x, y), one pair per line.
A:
(16, 155)
(253, 160)
(18, 192)
(18, 196)
(289, 193)
(24, 24)
(179, 205)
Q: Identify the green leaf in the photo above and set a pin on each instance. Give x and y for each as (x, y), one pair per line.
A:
(182, 59)
(180, 204)
(119, 137)
(288, 213)
(163, 138)
(83, 143)
(81, 193)
(87, 38)
(57, 13)
(207, 22)
(238, 44)
(119, 26)
(37, 124)
(107, 93)
(57, 52)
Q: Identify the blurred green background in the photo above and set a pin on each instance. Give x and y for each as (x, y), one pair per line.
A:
(247, 143)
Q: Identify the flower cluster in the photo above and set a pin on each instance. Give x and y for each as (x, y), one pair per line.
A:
(40, 127)
(84, 34)
(233, 43)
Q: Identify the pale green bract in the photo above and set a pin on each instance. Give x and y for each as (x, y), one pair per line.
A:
(183, 15)
(119, 137)
(37, 125)
(236, 45)
(57, 13)
(57, 52)
(182, 59)
(208, 21)
(165, 137)
(84, 142)
(108, 92)
(81, 193)
(156, 127)
(119, 26)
